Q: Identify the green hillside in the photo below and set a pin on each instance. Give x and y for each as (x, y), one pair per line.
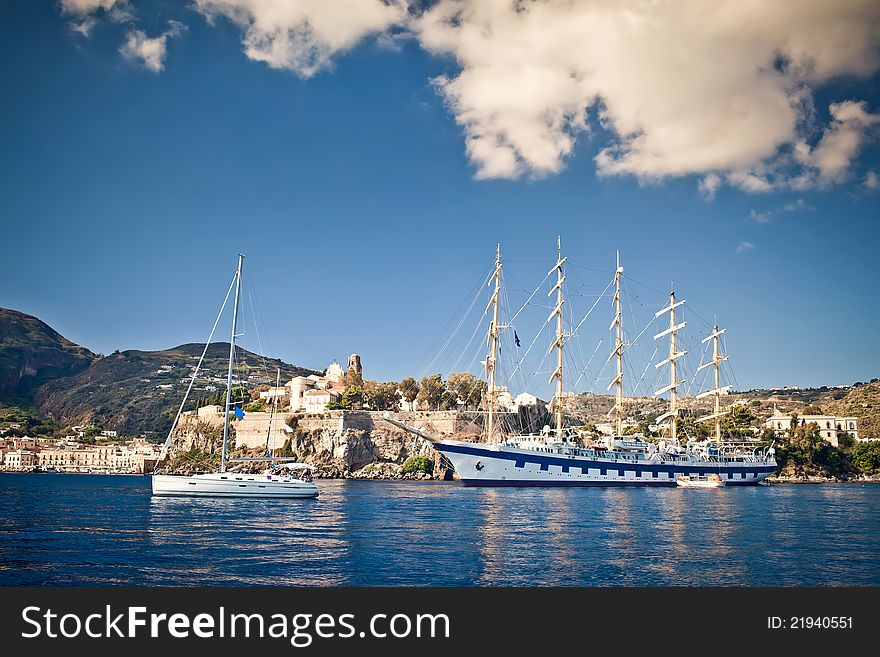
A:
(45, 377)
(138, 392)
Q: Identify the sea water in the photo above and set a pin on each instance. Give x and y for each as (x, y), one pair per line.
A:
(73, 530)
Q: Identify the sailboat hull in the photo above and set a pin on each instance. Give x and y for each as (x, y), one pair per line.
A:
(491, 465)
(233, 485)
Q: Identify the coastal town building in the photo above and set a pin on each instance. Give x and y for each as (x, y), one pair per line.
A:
(276, 393)
(137, 456)
(830, 426)
(209, 411)
(315, 401)
(19, 459)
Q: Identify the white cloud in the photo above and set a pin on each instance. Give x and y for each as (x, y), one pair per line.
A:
(303, 35)
(709, 185)
(118, 11)
(83, 7)
(766, 216)
(851, 124)
(872, 181)
(686, 86)
(150, 52)
(720, 90)
(83, 27)
(744, 247)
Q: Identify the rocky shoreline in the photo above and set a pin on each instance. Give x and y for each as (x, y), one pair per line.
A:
(865, 479)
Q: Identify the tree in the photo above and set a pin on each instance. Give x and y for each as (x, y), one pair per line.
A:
(353, 397)
(464, 387)
(352, 378)
(381, 396)
(845, 441)
(738, 422)
(432, 391)
(409, 389)
(866, 456)
(688, 426)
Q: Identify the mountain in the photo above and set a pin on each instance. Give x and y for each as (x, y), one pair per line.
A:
(44, 374)
(32, 353)
(135, 392)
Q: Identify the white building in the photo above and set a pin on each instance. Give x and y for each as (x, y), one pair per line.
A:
(280, 393)
(315, 401)
(209, 410)
(299, 387)
(19, 459)
(830, 426)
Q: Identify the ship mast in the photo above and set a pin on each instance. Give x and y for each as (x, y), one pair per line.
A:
(223, 456)
(492, 344)
(674, 355)
(557, 344)
(618, 348)
(718, 390)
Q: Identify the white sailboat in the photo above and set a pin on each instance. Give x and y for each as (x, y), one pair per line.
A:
(225, 483)
(555, 457)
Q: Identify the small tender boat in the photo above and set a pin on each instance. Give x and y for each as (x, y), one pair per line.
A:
(699, 481)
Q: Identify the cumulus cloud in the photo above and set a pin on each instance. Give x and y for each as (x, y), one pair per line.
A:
(686, 86)
(744, 247)
(719, 90)
(303, 35)
(872, 181)
(851, 124)
(150, 52)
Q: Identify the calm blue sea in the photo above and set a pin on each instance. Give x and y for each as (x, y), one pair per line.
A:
(63, 530)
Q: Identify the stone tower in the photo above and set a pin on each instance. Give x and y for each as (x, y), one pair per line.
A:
(354, 366)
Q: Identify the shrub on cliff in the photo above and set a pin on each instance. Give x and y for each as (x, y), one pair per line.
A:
(866, 457)
(418, 464)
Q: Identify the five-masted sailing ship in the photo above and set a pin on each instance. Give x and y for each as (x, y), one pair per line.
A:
(225, 483)
(557, 457)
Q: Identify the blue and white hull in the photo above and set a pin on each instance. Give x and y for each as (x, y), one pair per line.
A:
(503, 465)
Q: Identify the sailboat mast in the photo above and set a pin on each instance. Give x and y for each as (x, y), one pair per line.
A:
(492, 343)
(618, 346)
(557, 374)
(673, 396)
(674, 355)
(716, 360)
(223, 455)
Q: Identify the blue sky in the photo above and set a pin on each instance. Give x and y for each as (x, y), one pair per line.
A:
(126, 193)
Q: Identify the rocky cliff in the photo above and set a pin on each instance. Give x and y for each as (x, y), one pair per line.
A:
(338, 443)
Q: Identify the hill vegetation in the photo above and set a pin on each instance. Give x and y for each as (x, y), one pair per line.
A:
(138, 392)
(47, 381)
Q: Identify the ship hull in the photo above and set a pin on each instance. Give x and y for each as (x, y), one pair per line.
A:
(232, 485)
(489, 465)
